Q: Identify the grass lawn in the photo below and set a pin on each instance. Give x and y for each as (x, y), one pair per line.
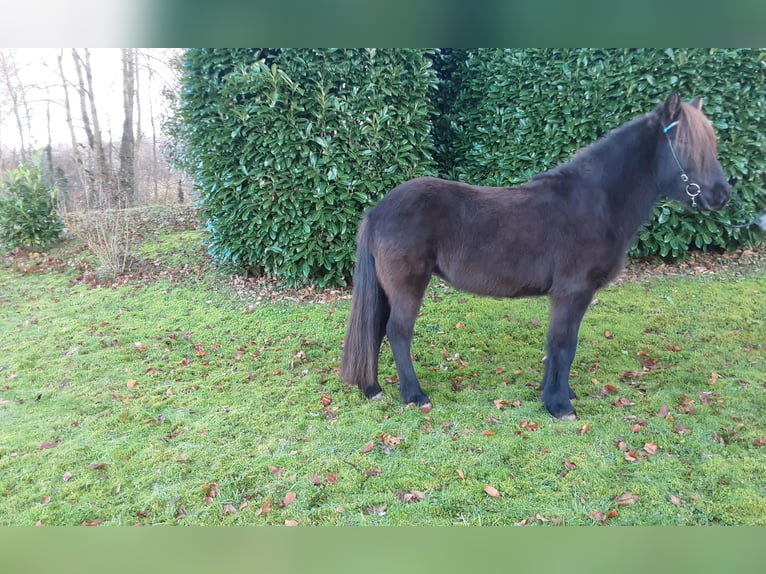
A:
(179, 396)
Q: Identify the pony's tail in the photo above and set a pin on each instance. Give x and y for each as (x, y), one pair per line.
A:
(366, 322)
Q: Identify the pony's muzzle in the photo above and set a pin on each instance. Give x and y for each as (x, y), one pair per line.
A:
(716, 198)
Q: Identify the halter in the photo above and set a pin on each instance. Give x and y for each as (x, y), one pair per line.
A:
(692, 189)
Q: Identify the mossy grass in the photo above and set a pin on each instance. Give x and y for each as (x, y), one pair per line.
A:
(179, 400)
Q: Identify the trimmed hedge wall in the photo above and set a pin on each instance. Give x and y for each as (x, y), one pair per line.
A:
(291, 146)
(519, 112)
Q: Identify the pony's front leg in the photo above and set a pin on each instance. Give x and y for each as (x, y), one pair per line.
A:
(566, 315)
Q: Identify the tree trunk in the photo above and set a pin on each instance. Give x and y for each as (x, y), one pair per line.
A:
(128, 143)
(101, 177)
(75, 147)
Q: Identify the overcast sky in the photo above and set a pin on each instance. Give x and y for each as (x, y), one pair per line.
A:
(39, 70)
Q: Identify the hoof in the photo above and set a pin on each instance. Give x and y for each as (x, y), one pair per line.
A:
(377, 397)
(568, 418)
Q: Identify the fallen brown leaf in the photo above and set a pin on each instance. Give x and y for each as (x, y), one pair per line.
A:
(676, 500)
(377, 510)
(626, 499)
(461, 474)
(492, 491)
(651, 448)
(713, 378)
(368, 446)
(315, 480)
(229, 509)
(332, 479)
(500, 404)
(67, 476)
(597, 515)
(411, 496)
(289, 498)
(389, 440)
(291, 523)
(623, 402)
(92, 522)
(630, 455)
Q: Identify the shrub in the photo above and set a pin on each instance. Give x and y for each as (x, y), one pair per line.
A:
(28, 217)
(108, 234)
(293, 145)
(519, 112)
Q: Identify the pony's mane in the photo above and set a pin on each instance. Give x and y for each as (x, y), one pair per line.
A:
(695, 133)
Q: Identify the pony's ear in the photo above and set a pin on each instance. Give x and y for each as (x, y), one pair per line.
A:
(696, 103)
(671, 108)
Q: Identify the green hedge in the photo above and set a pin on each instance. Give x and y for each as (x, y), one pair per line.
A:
(291, 146)
(519, 112)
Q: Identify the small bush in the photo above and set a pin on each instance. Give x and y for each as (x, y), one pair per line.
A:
(108, 235)
(28, 217)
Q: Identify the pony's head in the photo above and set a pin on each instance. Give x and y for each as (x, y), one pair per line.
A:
(687, 167)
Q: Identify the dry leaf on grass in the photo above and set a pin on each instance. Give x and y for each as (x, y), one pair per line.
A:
(626, 499)
(492, 491)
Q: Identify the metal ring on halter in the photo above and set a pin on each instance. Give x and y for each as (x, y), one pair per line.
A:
(692, 190)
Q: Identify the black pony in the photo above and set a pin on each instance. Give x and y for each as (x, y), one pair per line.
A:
(563, 234)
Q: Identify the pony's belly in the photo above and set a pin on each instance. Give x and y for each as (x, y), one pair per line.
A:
(497, 284)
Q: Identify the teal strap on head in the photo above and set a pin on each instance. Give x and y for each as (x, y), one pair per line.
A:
(670, 127)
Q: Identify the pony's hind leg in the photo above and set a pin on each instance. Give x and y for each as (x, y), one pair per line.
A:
(405, 289)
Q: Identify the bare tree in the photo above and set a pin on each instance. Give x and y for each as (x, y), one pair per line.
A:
(101, 178)
(76, 154)
(127, 176)
(17, 93)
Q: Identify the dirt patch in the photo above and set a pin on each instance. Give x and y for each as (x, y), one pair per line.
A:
(150, 222)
